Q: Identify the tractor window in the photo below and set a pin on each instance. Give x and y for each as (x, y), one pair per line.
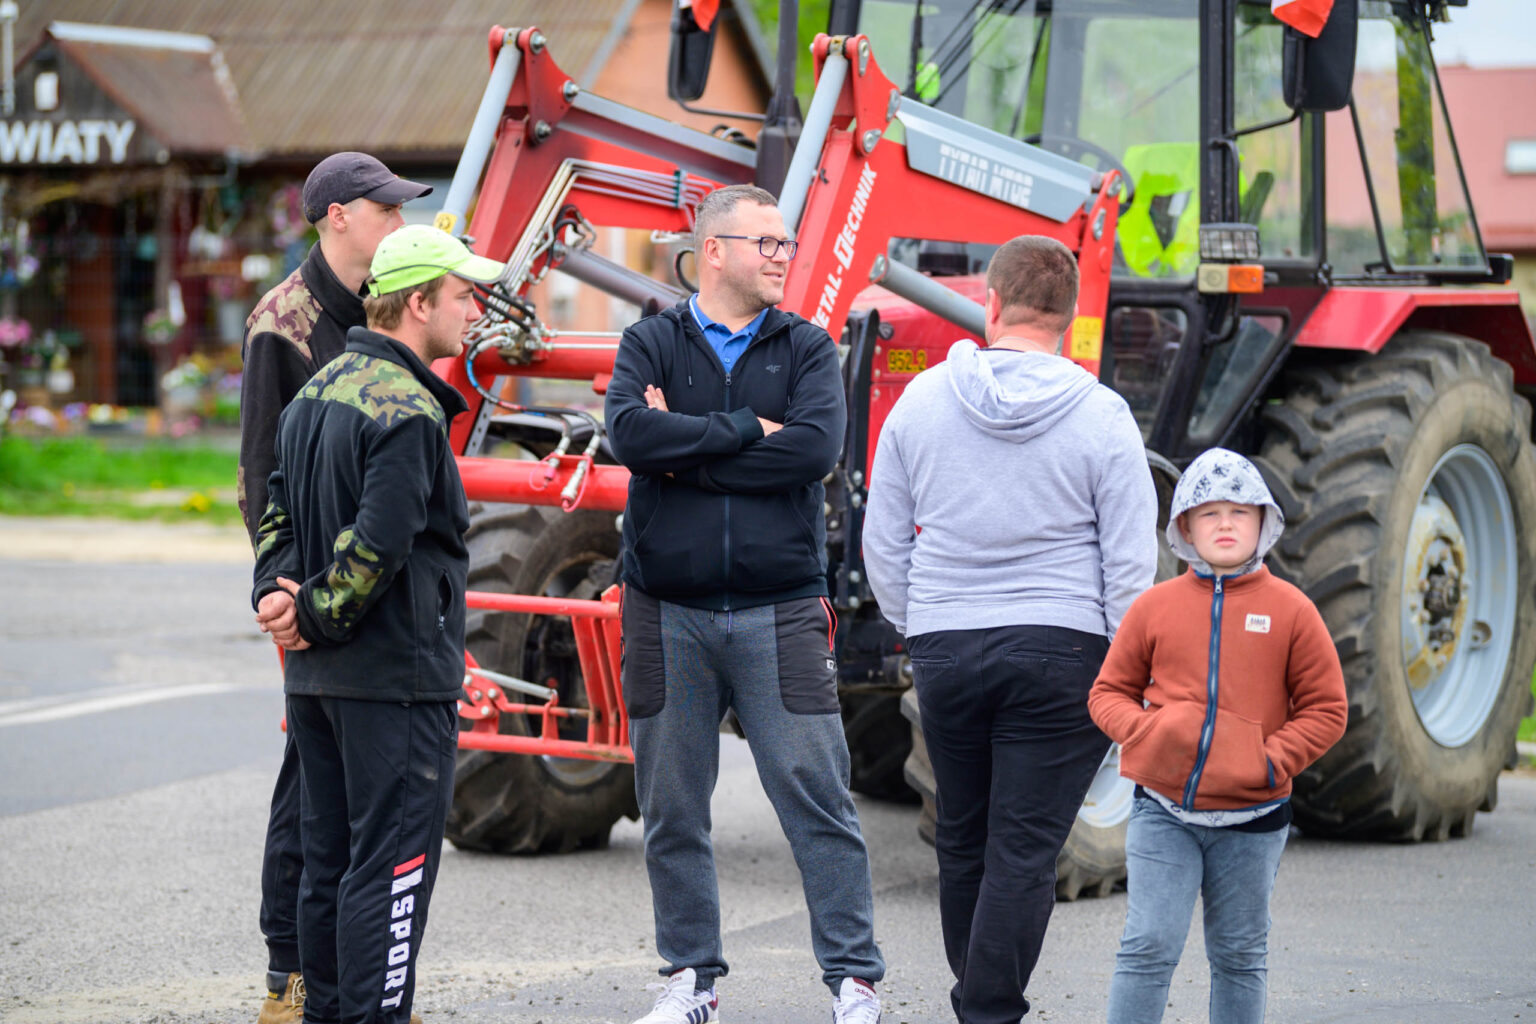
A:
(1352, 242)
(1414, 174)
(1144, 112)
(985, 63)
(1270, 182)
(1143, 345)
(1234, 368)
(1109, 83)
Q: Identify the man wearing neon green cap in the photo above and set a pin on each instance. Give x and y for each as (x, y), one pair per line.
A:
(360, 578)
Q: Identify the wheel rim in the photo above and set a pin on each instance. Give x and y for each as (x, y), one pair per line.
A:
(1458, 607)
(1110, 796)
(553, 662)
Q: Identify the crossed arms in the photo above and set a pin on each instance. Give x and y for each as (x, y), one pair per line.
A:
(736, 452)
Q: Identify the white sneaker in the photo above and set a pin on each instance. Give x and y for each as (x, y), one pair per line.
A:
(856, 1003)
(678, 1003)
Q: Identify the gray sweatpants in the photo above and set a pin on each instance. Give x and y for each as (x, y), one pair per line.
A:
(683, 668)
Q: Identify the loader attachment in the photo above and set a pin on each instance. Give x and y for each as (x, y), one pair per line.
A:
(488, 695)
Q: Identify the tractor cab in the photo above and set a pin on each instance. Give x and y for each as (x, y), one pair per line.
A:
(1231, 131)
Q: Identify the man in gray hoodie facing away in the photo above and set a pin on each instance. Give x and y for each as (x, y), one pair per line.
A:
(1011, 521)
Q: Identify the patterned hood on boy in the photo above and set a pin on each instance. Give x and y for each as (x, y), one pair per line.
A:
(1222, 475)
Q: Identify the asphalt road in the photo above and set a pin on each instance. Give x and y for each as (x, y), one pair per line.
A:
(138, 741)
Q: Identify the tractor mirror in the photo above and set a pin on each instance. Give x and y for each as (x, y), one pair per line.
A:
(688, 62)
(1318, 73)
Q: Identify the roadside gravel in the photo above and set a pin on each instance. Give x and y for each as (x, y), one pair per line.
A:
(71, 539)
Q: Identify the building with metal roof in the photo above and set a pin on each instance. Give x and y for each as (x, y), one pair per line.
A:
(151, 151)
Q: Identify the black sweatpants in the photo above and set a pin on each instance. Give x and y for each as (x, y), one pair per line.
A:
(282, 862)
(377, 781)
(1005, 718)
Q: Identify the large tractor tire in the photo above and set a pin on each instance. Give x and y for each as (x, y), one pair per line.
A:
(1092, 862)
(1409, 488)
(512, 803)
(879, 741)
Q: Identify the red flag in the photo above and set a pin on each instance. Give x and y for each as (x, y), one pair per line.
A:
(704, 12)
(1305, 16)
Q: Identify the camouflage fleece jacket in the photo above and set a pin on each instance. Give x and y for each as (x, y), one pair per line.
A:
(366, 511)
(295, 329)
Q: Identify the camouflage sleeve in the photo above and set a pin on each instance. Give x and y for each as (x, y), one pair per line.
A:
(274, 371)
(276, 554)
(366, 556)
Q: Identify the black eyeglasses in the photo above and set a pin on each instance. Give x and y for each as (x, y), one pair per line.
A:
(767, 246)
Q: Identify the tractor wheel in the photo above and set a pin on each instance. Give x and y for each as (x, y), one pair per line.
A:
(512, 803)
(918, 769)
(879, 740)
(1409, 488)
(1092, 863)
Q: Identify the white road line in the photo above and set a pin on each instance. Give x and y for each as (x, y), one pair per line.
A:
(75, 705)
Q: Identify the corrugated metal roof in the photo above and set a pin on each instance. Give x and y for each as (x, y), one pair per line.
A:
(182, 94)
(384, 76)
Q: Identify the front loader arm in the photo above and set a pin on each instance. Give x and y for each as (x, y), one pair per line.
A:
(561, 155)
(891, 167)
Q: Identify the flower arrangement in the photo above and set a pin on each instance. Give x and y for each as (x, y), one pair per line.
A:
(36, 354)
(226, 399)
(192, 373)
(159, 327)
(14, 333)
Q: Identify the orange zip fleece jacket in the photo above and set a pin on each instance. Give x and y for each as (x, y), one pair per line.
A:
(1241, 684)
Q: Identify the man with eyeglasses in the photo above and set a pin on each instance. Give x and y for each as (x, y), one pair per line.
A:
(728, 413)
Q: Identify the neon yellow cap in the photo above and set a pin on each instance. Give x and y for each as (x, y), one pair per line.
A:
(417, 253)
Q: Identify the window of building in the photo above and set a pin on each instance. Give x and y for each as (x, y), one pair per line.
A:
(1520, 156)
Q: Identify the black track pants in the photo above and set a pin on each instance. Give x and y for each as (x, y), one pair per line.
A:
(377, 781)
(282, 862)
(1005, 717)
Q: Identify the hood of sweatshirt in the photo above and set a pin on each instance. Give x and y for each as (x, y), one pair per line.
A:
(1015, 395)
(1221, 475)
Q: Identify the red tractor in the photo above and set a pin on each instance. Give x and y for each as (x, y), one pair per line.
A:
(1182, 151)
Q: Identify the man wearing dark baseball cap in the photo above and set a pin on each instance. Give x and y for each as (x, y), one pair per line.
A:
(298, 327)
(342, 178)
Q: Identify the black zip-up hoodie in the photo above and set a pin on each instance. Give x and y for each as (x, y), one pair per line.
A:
(719, 516)
(367, 512)
(295, 329)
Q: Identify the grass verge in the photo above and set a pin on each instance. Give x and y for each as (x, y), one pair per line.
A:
(81, 476)
(1528, 727)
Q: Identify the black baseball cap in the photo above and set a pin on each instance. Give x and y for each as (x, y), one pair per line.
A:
(343, 177)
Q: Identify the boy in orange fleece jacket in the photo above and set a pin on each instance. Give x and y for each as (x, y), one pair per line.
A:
(1220, 687)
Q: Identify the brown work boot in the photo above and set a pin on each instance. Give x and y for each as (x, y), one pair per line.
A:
(285, 1007)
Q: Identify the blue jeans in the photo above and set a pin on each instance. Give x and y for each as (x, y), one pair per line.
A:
(1167, 863)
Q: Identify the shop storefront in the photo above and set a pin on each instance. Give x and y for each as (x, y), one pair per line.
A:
(119, 200)
(150, 175)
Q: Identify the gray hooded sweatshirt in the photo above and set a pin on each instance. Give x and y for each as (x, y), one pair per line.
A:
(1009, 489)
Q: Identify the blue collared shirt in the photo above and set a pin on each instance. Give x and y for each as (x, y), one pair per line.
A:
(727, 345)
